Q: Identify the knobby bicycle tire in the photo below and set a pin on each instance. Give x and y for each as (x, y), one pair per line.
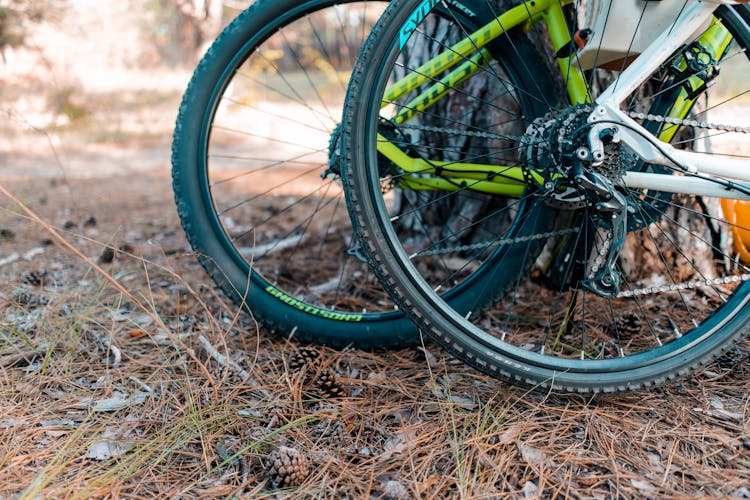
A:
(255, 46)
(547, 330)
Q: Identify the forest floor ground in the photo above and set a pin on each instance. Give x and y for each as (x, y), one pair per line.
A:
(108, 387)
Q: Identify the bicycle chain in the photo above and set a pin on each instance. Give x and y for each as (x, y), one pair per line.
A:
(652, 290)
(687, 122)
(601, 256)
(685, 285)
(487, 244)
(465, 133)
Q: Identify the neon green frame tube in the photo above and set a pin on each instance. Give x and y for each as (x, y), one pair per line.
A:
(506, 180)
(442, 87)
(516, 16)
(458, 184)
(500, 179)
(715, 40)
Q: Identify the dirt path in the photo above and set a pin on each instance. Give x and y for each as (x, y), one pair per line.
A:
(96, 400)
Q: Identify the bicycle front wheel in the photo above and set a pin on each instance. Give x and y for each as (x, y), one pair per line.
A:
(256, 179)
(583, 300)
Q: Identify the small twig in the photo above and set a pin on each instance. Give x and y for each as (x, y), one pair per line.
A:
(24, 358)
(260, 251)
(245, 470)
(140, 383)
(105, 344)
(10, 259)
(327, 287)
(232, 365)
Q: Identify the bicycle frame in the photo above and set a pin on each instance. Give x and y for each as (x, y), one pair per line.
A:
(704, 171)
(634, 135)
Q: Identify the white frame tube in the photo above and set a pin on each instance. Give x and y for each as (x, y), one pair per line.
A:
(682, 184)
(608, 114)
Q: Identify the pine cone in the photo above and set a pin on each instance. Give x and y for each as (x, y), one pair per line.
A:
(629, 323)
(35, 278)
(329, 386)
(107, 256)
(27, 298)
(287, 467)
(303, 357)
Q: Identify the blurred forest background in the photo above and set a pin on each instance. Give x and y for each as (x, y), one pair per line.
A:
(83, 75)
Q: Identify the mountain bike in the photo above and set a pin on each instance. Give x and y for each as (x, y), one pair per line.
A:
(607, 237)
(256, 175)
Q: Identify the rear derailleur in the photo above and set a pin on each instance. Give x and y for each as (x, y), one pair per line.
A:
(611, 212)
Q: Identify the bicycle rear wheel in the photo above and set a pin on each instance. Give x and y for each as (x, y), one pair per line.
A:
(558, 323)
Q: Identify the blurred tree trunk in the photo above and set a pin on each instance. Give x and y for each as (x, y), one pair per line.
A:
(202, 19)
(191, 25)
(449, 214)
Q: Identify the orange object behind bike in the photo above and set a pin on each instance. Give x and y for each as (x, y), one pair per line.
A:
(738, 214)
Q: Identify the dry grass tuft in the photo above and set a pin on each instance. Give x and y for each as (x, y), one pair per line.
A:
(182, 396)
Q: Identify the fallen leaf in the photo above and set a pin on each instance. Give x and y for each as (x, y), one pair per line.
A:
(395, 490)
(58, 427)
(531, 455)
(137, 334)
(397, 444)
(427, 484)
(642, 485)
(376, 377)
(121, 315)
(509, 435)
(721, 413)
(589, 481)
(530, 489)
(143, 320)
(106, 449)
(10, 422)
(120, 400)
(465, 403)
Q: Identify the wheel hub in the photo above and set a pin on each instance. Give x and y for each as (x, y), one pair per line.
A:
(556, 148)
